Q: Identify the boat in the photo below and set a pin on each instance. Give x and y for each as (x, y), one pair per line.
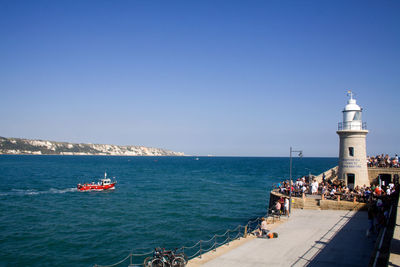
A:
(103, 184)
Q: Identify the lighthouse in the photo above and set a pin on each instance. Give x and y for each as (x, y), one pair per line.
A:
(352, 132)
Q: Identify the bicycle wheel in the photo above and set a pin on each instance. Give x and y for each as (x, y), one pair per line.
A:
(178, 262)
(157, 263)
(147, 262)
(182, 255)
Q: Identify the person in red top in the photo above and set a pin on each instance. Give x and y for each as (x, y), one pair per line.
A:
(378, 190)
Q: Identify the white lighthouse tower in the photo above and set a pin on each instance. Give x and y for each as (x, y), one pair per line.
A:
(352, 150)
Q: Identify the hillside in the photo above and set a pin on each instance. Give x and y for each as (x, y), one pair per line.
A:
(43, 147)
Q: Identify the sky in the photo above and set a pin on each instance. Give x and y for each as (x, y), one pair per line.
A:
(223, 78)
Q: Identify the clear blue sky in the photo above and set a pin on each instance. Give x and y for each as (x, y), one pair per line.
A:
(238, 78)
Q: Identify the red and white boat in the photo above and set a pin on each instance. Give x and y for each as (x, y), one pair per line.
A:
(103, 184)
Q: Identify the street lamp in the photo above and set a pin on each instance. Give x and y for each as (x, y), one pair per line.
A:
(290, 175)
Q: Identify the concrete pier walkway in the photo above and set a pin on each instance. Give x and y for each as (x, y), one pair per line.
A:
(309, 237)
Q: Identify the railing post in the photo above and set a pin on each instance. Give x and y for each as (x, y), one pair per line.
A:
(131, 259)
(215, 243)
(245, 231)
(200, 250)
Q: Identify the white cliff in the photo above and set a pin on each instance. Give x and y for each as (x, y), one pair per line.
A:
(43, 147)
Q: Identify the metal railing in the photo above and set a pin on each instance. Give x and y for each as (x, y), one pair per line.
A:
(131, 258)
(202, 246)
(350, 126)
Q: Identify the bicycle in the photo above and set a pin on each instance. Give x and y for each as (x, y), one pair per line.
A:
(178, 259)
(165, 258)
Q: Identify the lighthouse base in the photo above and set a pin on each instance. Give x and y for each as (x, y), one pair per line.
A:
(353, 158)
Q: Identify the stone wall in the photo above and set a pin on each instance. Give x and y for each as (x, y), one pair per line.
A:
(323, 204)
(341, 205)
(329, 174)
(374, 172)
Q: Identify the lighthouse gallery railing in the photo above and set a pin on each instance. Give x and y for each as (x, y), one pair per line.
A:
(350, 126)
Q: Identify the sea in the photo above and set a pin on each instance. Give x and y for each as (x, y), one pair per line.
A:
(165, 202)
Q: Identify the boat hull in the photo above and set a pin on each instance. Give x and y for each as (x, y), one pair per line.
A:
(95, 187)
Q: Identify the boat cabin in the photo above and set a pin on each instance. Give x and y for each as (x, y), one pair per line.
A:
(105, 181)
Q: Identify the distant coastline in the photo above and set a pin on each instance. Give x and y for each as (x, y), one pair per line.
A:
(19, 146)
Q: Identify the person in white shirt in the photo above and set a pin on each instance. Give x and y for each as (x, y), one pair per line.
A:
(388, 192)
(314, 187)
(332, 193)
(287, 206)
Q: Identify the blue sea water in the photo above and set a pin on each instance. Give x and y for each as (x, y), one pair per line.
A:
(159, 202)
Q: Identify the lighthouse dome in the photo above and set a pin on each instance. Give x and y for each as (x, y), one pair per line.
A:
(352, 114)
(352, 105)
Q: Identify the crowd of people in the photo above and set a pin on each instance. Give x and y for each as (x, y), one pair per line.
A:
(383, 161)
(378, 214)
(379, 200)
(335, 189)
(281, 206)
(379, 196)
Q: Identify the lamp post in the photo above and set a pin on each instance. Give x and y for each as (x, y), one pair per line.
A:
(290, 175)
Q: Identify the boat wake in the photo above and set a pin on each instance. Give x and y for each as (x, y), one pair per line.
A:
(27, 192)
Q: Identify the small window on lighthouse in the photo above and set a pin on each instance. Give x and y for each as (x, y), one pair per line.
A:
(351, 151)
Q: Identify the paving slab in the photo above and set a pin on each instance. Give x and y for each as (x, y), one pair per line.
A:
(308, 238)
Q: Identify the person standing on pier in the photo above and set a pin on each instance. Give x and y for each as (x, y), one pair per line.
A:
(287, 206)
(314, 187)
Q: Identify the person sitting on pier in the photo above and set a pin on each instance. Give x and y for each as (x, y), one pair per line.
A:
(346, 193)
(263, 230)
(299, 183)
(383, 161)
(304, 189)
(332, 193)
(283, 188)
(324, 190)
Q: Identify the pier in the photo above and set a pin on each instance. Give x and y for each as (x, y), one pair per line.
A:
(309, 237)
(319, 232)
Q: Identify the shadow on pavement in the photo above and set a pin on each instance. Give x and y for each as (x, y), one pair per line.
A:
(350, 246)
